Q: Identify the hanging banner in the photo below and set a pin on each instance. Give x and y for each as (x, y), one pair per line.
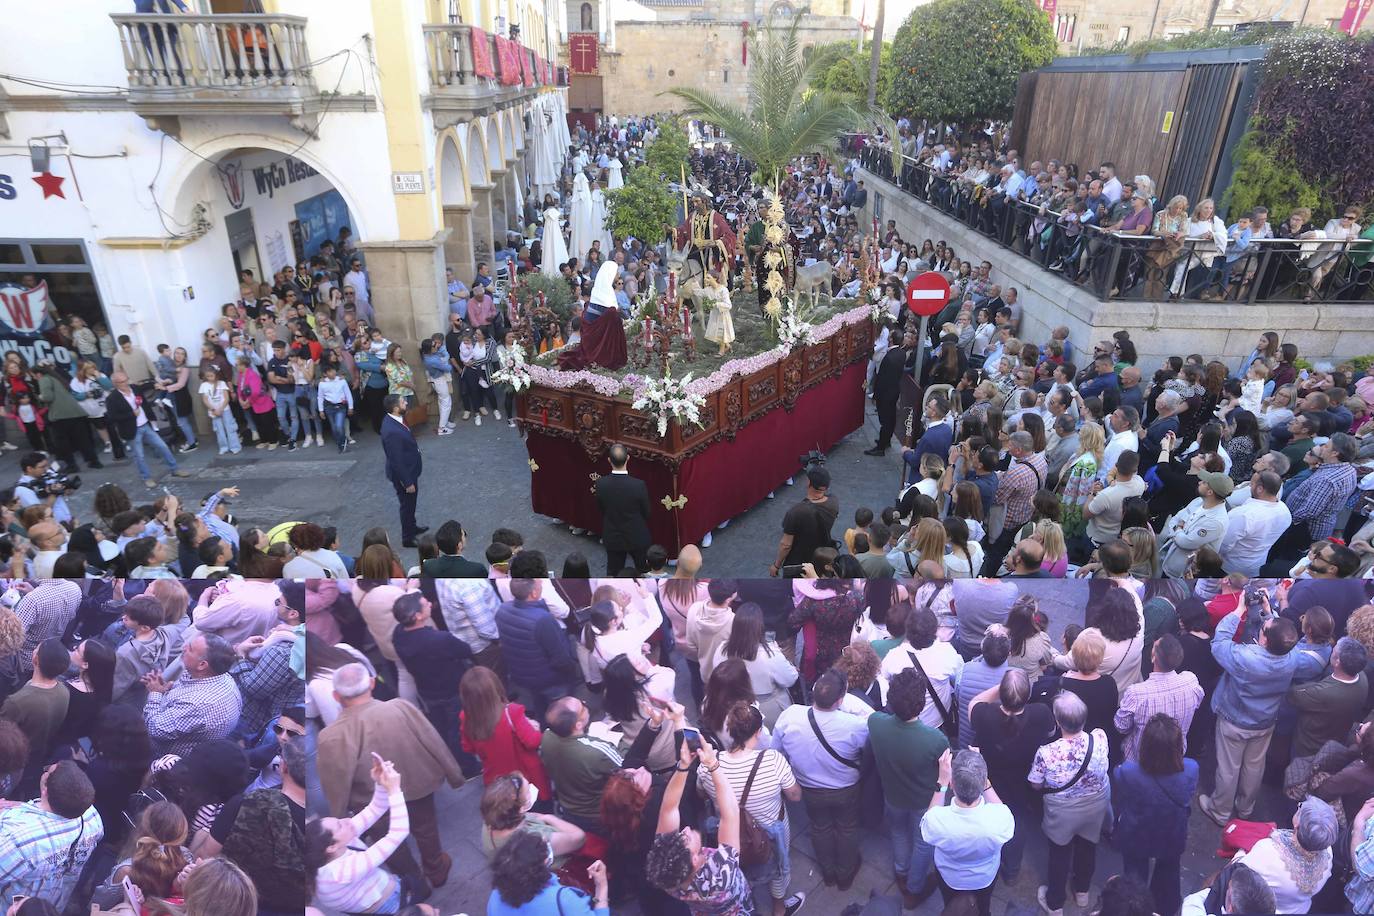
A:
(526, 64)
(1049, 8)
(25, 319)
(507, 52)
(1353, 18)
(481, 54)
(582, 53)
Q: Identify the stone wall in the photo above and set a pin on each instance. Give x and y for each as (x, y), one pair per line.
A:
(1099, 25)
(652, 57)
(1159, 329)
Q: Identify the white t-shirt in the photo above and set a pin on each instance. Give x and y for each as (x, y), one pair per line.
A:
(942, 666)
(217, 394)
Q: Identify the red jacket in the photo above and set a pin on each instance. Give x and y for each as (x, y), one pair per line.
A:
(513, 746)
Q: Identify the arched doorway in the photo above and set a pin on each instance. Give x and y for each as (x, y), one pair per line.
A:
(457, 204)
(483, 205)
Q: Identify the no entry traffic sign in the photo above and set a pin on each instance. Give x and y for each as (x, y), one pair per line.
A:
(927, 293)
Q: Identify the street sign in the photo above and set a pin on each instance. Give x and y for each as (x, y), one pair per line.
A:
(927, 293)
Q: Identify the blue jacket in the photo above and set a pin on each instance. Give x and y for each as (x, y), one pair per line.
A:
(1255, 680)
(403, 461)
(1153, 810)
(936, 441)
(535, 646)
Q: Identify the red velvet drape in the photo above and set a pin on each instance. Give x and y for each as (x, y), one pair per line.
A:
(721, 482)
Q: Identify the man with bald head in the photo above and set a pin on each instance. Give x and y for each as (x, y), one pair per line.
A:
(50, 538)
(577, 763)
(1132, 394)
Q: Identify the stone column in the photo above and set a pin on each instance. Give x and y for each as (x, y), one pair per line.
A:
(482, 223)
(499, 208)
(458, 247)
(408, 289)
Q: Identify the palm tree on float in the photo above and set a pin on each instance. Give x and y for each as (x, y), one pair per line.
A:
(783, 119)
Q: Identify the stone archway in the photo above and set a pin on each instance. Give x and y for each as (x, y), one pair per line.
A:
(456, 204)
(480, 183)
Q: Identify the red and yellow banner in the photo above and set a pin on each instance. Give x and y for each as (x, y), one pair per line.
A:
(508, 53)
(1353, 18)
(526, 64)
(582, 53)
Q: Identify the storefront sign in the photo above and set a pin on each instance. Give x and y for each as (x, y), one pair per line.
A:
(268, 178)
(23, 319)
(407, 183)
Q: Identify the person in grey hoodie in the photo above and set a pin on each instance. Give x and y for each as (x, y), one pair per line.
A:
(708, 626)
(154, 646)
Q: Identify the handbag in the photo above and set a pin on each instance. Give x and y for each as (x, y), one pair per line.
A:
(948, 723)
(417, 414)
(755, 846)
(1241, 836)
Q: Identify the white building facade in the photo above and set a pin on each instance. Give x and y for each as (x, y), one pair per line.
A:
(145, 159)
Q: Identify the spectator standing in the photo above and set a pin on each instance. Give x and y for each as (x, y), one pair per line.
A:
(498, 731)
(437, 659)
(535, 647)
(968, 835)
(1166, 691)
(1296, 863)
(577, 764)
(1152, 793)
(1257, 676)
(40, 706)
(908, 753)
(825, 748)
(1329, 706)
(366, 725)
(1072, 774)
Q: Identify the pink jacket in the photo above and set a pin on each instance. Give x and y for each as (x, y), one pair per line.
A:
(253, 392)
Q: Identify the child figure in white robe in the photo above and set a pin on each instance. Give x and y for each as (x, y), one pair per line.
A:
(720, 326)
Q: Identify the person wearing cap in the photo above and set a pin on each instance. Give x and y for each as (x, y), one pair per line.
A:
(1201, 523)
(1296, 863)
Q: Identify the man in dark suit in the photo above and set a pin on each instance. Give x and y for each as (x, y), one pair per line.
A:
(403, 464)
(887, 389)
(624, 504)
(450, 538)
(936, 440)
(124, 407)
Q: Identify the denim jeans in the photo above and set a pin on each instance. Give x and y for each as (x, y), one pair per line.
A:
(309, 413)
(147, 437)
(338, 423)
(912, 857)
(226, 432)
(287, 409)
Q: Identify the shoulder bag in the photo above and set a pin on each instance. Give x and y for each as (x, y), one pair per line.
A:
(755, 846)
(948, 723)
(1087, 758)
(811, 717)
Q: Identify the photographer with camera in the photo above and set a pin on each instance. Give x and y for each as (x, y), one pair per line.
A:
(807, 525)
(41, 483)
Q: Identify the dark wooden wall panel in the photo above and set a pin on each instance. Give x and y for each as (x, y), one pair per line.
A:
(1115, 116)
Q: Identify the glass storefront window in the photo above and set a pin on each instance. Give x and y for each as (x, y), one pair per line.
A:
(48, 253)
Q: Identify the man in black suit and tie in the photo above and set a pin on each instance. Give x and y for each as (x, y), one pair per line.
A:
(624, 504)
(403, 464)
(887, 388)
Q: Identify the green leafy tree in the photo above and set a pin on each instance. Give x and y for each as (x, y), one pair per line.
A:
(957, 60)
(826, 65)
(843, 78)
(1265, 177)
(782, 120)
(644, 208)
(669, 151)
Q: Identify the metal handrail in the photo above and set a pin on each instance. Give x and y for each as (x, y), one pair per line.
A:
(1121, 265)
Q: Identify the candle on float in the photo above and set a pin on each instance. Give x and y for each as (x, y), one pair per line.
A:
(686, 320)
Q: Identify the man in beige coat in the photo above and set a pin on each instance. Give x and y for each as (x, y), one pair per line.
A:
(398, 730)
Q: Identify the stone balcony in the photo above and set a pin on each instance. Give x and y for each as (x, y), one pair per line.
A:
(198, 65)
(468, 80)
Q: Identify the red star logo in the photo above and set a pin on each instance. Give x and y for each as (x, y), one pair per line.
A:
(51, 185)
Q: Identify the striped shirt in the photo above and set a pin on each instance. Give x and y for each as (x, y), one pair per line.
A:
(1320, 498)
(45, 613)
(42, 854)
(1016, 487)
(765, 795)
(355, 882)
(194, 710)
(268, 685)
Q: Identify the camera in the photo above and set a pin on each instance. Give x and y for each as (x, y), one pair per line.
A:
(812, 459)
(1256, 600)
(56, 483)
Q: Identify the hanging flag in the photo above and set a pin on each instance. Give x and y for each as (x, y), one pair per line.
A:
(1049, 8)
(1355, 11)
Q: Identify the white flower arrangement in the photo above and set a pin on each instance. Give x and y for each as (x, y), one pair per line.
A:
(793, 330)
(669, 398)
(513, 370)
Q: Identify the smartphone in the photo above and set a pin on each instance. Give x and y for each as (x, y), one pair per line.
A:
(792, 572)
(693, 737)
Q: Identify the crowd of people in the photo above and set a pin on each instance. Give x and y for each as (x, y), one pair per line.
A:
(154, 754)
(663, 742)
